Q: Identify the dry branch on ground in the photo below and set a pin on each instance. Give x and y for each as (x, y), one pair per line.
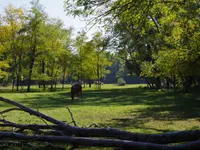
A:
(61, 132)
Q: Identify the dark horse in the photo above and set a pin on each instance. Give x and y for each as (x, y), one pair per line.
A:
(76, 90)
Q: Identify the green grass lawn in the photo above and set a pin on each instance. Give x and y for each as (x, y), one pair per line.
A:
(132, 108)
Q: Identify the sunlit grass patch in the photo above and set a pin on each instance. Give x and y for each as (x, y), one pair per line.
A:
(130, 108)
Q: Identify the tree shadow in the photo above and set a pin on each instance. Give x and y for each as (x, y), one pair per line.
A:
(90, 98)
(164, 106)
(134, 123)
(161, 106)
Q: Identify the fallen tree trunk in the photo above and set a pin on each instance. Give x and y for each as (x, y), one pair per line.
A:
(98, 142)
(83, 136)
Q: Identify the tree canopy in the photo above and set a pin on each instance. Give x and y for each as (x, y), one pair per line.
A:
(159, 40)
(37, 49)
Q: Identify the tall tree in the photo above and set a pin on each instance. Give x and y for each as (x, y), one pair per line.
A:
(12, 41)
(36, 19)
(65, 58)
(155, 29)
(101, 61)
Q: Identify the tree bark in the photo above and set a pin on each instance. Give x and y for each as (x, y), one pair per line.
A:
(66, 129)
(90, 83)
(99, 142)
(19, 72)
(30, 74)
(43, 71)
(63, 78)
(158, 83)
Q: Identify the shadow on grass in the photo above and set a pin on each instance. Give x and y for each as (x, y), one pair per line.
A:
(114, 97)
(162, 106)
(134, 123)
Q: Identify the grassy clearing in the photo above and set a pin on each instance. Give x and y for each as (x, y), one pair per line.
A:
(132, 108)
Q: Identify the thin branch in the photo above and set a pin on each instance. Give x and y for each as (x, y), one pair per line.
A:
(9, 110)
(55, 130)
(5, 121)
(165, 138)
(35, 128)
(155, 22)
(74, 122)
(27, 126)
(33, 112)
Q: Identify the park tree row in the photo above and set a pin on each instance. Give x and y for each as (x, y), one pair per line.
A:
(159, 40)
(35, 47)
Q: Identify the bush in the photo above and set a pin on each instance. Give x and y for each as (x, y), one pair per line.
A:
(121, 82)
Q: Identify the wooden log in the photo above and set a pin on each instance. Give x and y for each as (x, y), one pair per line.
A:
(165, 138)
(125, 144)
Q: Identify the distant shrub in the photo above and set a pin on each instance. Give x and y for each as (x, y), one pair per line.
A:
(121, 82)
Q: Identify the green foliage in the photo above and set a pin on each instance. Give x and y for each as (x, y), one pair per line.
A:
(121, 82)
(36, 47)
(91, 60)
(157, 39)
(3, 69)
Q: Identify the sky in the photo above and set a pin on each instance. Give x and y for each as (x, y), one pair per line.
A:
(54, 8)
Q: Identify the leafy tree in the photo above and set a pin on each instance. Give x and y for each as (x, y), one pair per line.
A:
(90, 59)
(12, 41)
(65, 57)
(36, 20)
(153, 37)
(3, 66)
(101, 60)
(80, 54)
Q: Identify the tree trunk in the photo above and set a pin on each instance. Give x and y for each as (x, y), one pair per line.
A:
(174, 82)
(150, 82)
(84, 83)
(63, 79)
(55, 81)
(13, 74)
(52, 78)
(19, 72)
(51, 87)
(30, 73)
(13, 81)
(187, 83)
(43, 71)
(158, 83)
(198, 81)
(32, 61)
(167, 83)
(98, 72)
(90, 83)
(55, 84)
(18, 78)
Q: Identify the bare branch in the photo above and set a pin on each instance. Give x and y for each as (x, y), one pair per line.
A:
(28, 126)
(171, 137)
(33, 112)
(98, 142)
(74, 122)
(9, 110)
